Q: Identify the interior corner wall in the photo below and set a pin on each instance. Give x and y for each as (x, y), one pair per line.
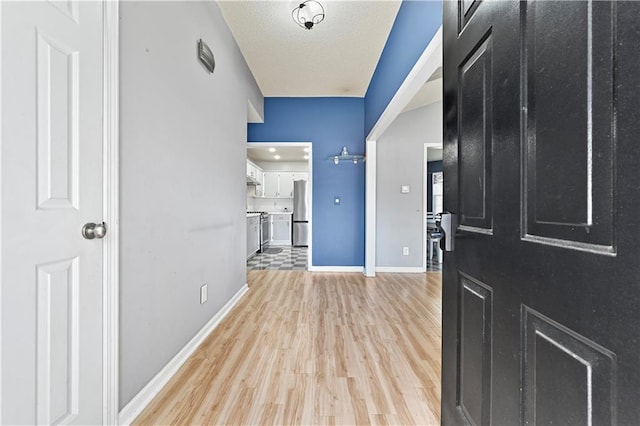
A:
(329, 124)
(183, 164)
(400, 153)
(416, 23)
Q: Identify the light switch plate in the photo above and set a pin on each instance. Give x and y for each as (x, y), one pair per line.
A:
(336, 201)
(404, 189)
(405, 251)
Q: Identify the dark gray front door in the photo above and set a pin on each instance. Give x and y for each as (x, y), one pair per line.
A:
(541, 297)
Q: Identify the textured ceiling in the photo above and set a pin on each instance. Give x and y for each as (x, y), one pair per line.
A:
(336, 58)
(429, 93)
(287, 154)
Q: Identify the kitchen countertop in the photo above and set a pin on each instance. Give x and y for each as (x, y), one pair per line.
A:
(280, 212)
(253, 215)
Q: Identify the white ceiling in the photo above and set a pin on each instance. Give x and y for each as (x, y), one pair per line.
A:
(335, 58)
(429, 93)
(287, 153)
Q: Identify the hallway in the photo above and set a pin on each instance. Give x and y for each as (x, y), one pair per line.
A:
(316, 348)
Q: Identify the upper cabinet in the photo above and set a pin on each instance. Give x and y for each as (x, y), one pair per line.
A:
(255, 173)
(280, 184)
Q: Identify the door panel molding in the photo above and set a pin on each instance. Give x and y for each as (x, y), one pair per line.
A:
(588, 375)
(57, 384)
(466, 10)
(58, 121)
(475, 307)
(558, 203)
(475, 98)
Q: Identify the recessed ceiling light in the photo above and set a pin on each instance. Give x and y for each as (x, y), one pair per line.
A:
(277, 157)
(306, 157)
(272, 150)
(306, 150)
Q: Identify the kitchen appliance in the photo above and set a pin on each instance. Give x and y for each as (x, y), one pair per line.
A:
(264, 231)
(300, 214)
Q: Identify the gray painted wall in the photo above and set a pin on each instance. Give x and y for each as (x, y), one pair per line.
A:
(400, 162)
(183, 165)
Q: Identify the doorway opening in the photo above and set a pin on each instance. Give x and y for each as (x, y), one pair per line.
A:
(279, 206)
(433, 199)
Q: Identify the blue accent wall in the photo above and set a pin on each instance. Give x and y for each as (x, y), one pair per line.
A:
(415, 25)
(329, 124)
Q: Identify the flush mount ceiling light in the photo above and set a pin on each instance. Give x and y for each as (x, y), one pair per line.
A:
(272, 150)
(277, 157)
(308, 14)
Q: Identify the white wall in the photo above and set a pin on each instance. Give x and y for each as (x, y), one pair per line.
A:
(183, 164)
(400, 153)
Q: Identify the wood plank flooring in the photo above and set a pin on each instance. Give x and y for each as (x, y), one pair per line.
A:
(306, 348)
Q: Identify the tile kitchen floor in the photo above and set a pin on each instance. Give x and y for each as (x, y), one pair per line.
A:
(289, 259)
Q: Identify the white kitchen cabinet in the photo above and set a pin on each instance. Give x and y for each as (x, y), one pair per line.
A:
(253, 235)
(270, 185)
(280, 229)
(301, 176)
(256, 173)
(280, 184)
(286, 185)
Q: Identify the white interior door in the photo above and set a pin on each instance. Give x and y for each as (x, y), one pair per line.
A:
(51, 177)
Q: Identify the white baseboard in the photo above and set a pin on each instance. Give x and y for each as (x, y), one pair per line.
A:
(336, 269)
(401, 269)
(139, 402)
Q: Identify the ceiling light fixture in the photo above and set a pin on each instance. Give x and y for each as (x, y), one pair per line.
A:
(306, 157)
(306, 150)
(272, 150)
(346, 156)
(308, 14)
(277, 157)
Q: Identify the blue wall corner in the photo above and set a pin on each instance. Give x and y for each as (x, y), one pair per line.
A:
(415, 25)
(329, 124)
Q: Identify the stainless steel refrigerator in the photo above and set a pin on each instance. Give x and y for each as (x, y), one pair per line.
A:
(300, 214)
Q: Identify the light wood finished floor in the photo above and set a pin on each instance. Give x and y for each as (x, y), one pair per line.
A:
(307, 348)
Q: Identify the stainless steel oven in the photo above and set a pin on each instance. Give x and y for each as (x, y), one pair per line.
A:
(265, 234)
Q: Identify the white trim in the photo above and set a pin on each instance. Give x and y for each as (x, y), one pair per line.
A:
(336, 269)
(425, 246)
(309, 188)
(425, 66)
(370, 209)
(155, 385)
(425, 194)
(401, 269)
(110, 245)
(1, 340)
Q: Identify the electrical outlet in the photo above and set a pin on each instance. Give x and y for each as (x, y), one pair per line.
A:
(405, 251)
(203, 293)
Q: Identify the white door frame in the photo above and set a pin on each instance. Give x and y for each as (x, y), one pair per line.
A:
(426, 65)
(425, 193)
(111, 215)
(309, 187)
